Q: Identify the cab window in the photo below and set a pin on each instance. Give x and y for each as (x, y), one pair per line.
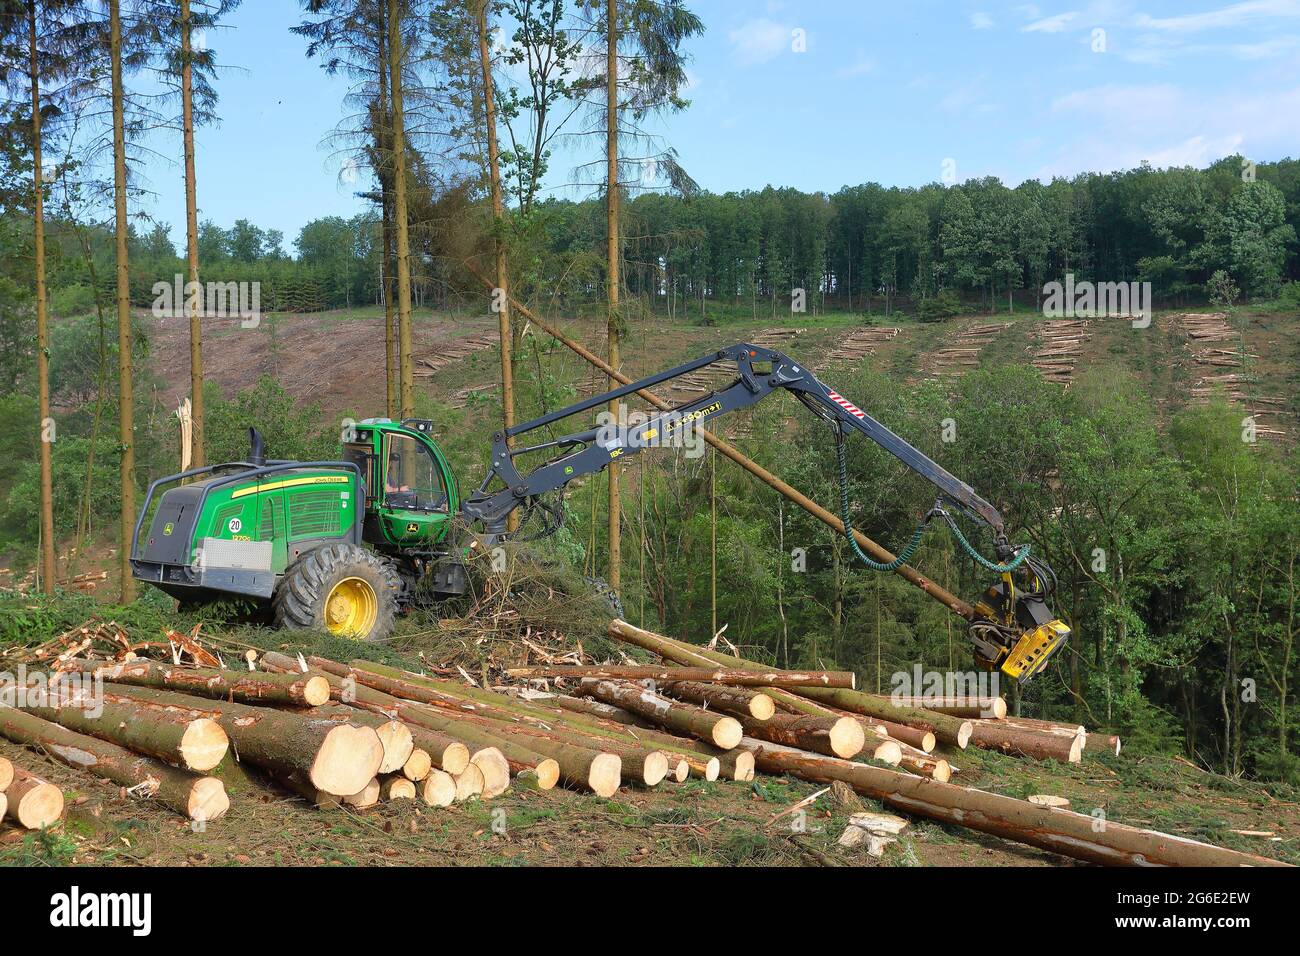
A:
(411, 476)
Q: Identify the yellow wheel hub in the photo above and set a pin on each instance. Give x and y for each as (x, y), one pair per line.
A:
(351, 608)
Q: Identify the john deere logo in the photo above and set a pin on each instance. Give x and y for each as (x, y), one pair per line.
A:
(412, 527)
(167, 528)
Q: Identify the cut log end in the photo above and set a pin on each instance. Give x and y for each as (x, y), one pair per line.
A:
(744, 766)
(438, 789)
(398, 787)
(654, 768)
(963, 734)
(366, 797)
(762, 707)
(712, 769)
(847, 737)
(204, 744)
(6, 775)
(548, 773)
(726, 733)
(469, 783)
(928, 742)
(678, 768)
(889, 752)
(495, 770)
(316, 691)
(347, 761)
(417, 766)
(395, 737)
(33, 802)
(1076, 748)
(208, 800)
(605, 774)
(455, 758)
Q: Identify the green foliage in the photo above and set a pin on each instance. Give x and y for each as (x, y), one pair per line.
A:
(290, 429)
(944, 304)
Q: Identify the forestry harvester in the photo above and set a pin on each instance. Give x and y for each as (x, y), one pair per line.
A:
(342, 545)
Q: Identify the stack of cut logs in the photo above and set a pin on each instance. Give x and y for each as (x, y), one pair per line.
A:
(962, 353)
(352, 735)
(447, 352)
(856, 346)
(1060, 343)
(1216, 344)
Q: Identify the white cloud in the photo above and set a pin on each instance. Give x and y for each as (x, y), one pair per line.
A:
(760, 40)
(1054, 24)
(1118, 126)
(981, 21)
(1235, 15)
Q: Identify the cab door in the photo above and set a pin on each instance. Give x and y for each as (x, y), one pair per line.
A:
(415, 497)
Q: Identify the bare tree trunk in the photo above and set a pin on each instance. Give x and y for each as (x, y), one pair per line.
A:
(199, 457)
(612, 316)
(399, 208)
(501, 295)
(383, 144)
(125, 391)
(45, 426)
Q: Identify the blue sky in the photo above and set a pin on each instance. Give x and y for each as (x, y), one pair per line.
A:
(823, 93)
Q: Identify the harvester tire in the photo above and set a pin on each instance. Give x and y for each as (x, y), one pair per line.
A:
(342, 589)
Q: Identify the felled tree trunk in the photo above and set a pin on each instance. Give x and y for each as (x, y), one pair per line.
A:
(186, 739)
(197, 797)
(842, 737)
(256, 687)
(736, 677)
(996, 735)
(32, 802)
(737, 701)
(339, 758)
(1060, 831)
(719, 730)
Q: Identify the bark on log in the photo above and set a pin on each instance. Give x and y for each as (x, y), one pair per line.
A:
(883, 749)
(976, 708)
(920, 739)
(184, 739)
(691, 656)
(737, 701)
(734, 677)
(31, 801)
(717, 729)
(1059, 831)
(840, 737)
(254, 687)
(195, 796)
(446, 753)
(995, 735)
(952, 730)
(592, 708)
(339, 758)
(4, 805)
(737, 764)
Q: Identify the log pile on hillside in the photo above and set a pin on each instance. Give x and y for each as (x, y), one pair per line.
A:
(1060, 343)
(426, 366)
(855, 346)
(348, 736)
(1218, 349)
(961, 353)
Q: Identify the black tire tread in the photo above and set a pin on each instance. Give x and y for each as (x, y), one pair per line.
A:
(299, 600)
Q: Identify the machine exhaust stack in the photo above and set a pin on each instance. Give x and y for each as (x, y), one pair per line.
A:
(256, 448)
